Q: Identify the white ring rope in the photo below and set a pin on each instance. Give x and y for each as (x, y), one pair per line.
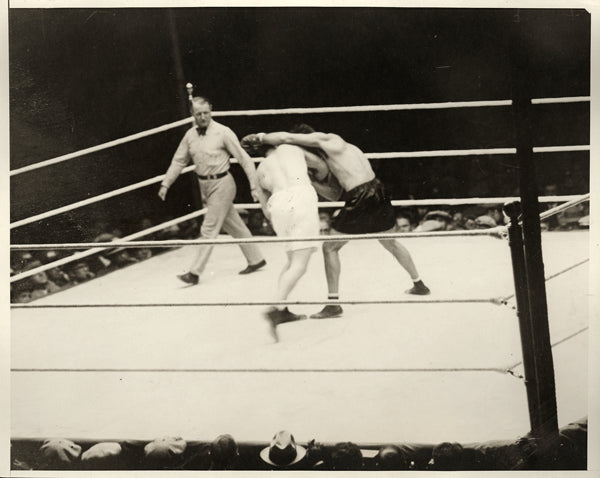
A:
(568, 99)
(283, 111)
(442, 153)
(100, 147)
(504, 300)
(555, 210)
(560, 149)
(255, 240)
(92, 200)
(264, 303)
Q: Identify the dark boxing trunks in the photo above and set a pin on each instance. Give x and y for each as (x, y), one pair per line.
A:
(367, 209)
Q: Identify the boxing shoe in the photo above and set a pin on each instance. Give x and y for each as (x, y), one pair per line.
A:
(287, 316)
(276, 317)
(189, 278)
(328, 312)
(254, 267)
(418, 289)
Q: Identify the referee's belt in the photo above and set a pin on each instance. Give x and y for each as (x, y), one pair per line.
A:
(214, 176)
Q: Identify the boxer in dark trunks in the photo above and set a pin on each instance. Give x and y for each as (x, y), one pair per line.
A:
(367, 207)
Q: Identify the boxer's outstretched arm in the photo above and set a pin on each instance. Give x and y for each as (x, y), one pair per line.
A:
(325, 141)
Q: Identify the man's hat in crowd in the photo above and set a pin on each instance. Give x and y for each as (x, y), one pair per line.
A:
(165, 451)
(59, 450)
(283, 450)
(103, 453)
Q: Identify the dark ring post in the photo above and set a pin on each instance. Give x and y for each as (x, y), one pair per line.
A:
(515, 241)
(545, 413)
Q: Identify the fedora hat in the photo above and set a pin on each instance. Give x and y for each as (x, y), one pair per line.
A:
(283, 450)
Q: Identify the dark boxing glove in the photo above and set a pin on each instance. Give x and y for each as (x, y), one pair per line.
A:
(253, 145)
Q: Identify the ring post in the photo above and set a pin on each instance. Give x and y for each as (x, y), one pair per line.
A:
(190, 90)
(515, 241)
(546, 419)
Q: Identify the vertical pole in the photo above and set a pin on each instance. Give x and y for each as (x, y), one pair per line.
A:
(546, 419)
(515, 241)
(179, 80)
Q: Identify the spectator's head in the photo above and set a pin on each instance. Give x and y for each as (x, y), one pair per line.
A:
(402, 224)
(104, 237)
(58, 276)
(434, 221)
(38, 280)
(81, 272)
(48, 256)
(283, 450)
(324, 222)
(142, 254)
(496, 214)
(164, 453)
(458, 217)
(102, 456)
(446, 456)
(485, 222)
(346, 456)
(392, 458)
(470, 223)
(223, 453)
(21, 259)
(58, 454)
(20, 292)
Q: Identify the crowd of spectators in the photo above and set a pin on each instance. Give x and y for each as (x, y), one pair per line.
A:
(569, 452)
(55, 279)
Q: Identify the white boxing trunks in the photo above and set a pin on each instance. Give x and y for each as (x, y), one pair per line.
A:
(295, 213)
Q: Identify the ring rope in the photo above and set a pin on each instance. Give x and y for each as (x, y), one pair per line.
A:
(555, 344)
(123, 243)
(342, 109)
(261, 303)
(569, 99)
(87, 202)
(561, 207)
(504, 300)
(561, 149)
(263, 370)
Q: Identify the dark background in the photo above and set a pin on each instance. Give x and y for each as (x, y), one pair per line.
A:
(80, 77)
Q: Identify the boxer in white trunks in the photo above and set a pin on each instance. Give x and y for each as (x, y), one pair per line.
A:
(290, 202)
(367, 206)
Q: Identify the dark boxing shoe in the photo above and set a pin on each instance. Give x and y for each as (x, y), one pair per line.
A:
(189, 278)
(254, 267)
(276, 317)
(287, 316)
(328, 312)
(418, 289)
(272, 315)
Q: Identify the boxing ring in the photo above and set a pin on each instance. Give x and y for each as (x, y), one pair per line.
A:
(133, 354)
